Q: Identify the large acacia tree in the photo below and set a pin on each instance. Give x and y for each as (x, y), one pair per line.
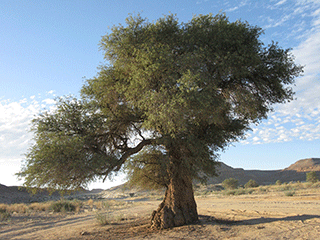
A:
(170, 96)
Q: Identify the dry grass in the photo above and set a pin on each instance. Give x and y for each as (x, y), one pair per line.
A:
(287, 189)
(78, 206)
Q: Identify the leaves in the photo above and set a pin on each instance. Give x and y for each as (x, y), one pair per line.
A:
(171, 92)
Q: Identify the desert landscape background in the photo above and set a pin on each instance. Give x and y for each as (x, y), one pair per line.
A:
(290, 210)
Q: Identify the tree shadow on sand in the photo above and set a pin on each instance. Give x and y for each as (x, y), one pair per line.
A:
(206, 219)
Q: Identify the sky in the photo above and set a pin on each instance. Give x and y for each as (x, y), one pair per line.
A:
(49, 48)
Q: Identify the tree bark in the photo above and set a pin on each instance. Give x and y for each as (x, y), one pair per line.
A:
(178, 206)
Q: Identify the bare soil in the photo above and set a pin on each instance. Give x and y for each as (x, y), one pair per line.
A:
(255, 216)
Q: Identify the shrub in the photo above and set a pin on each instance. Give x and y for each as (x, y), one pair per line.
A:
(311, 177)
(102, 219)
(62, 206)
(251, 184)
(289, 193)
(4, 215)
(278, 182)
(230, 183)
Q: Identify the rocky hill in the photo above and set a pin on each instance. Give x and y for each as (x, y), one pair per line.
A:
(305, 165)
(295, 172)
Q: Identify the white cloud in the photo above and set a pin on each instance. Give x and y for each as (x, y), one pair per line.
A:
(15, 137)
(49, 101)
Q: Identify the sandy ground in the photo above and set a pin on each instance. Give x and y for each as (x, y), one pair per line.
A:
(221, 217)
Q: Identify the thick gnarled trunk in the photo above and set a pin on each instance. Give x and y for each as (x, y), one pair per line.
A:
(178, 207)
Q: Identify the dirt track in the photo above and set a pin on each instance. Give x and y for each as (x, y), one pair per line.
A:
(221, 217)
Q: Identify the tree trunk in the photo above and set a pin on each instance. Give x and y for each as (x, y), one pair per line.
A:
(178, 206)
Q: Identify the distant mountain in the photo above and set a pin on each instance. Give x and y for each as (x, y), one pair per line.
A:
(295, 172)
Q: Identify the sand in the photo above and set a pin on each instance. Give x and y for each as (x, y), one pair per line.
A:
(221, 217)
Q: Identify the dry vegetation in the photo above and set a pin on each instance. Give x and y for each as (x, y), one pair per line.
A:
(291, 188)
(222, 212)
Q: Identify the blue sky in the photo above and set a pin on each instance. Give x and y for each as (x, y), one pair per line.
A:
(48, 48)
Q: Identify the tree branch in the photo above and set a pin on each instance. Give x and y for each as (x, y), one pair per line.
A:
(131, 151)
(128, 152)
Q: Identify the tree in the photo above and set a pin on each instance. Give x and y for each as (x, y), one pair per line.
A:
(230, 183)
(174, 93)
(311, 177)
(251, 184)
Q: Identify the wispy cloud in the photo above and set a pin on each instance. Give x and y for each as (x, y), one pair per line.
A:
(280, 2)
(299, 119)
(240, 5)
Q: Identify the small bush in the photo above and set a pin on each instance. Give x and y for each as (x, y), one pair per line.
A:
(289, 193)
(230, 183)
(251, 184)
(102, 219)
(264, 189)
(4, 215)
(62, 206)
(278, 182)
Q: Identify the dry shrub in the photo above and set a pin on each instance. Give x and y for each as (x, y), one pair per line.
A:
(103, 219)
(18, 208)
(40, 207)
(316, 185)
(90, 202)
(3, 207)
(4, 215)
(102, 204)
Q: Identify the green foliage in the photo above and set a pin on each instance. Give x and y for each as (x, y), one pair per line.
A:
(251, 184)
(176, 93)
(311, 177)
(230, 183)
(148, 169)
(62, 206)
(69, 151)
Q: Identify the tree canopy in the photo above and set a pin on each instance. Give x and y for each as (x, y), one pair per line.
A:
(176, 93)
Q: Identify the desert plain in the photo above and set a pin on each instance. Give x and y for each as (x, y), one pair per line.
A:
(287, 211)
